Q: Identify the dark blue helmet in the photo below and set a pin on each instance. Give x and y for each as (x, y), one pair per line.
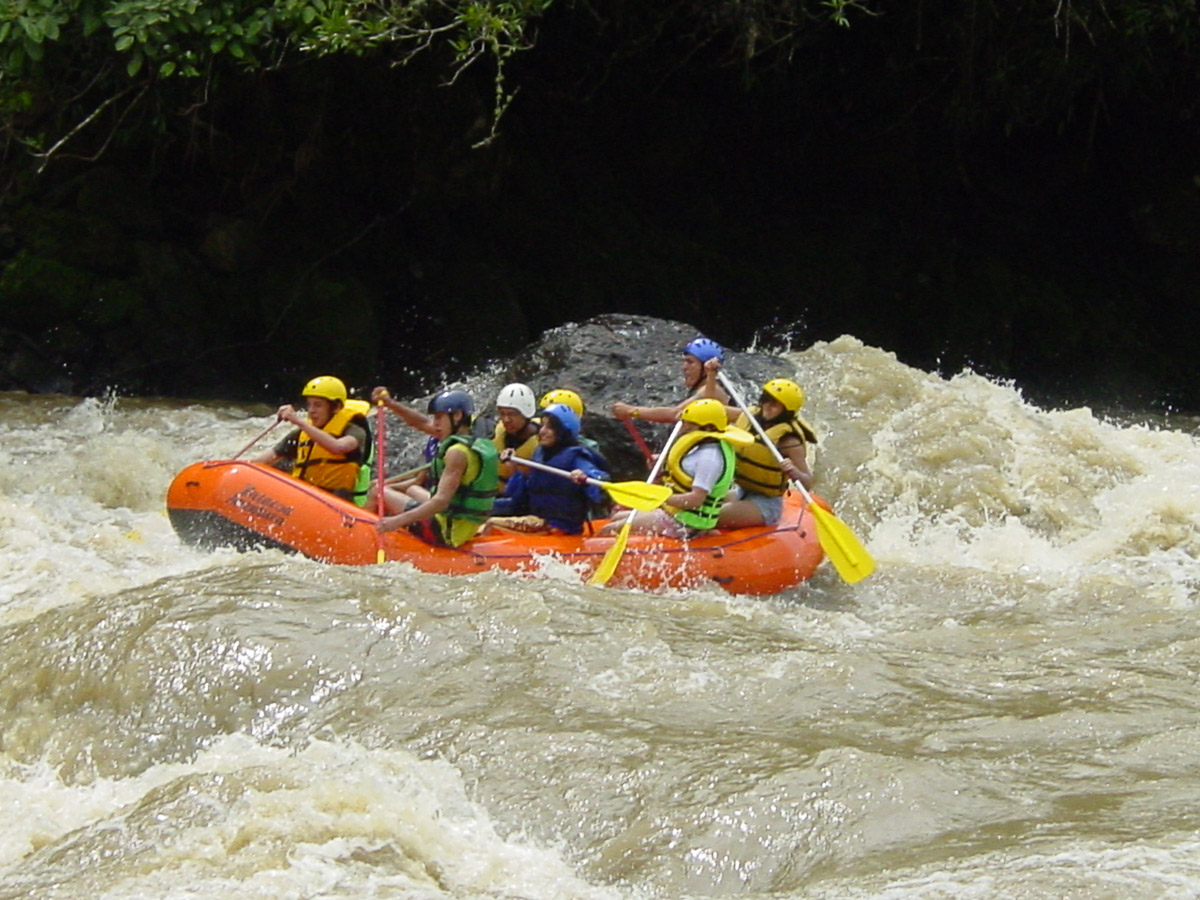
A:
(452, 401)
(565, 416)
(705, 349)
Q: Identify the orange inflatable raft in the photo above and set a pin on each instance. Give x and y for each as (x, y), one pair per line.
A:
(247, 505)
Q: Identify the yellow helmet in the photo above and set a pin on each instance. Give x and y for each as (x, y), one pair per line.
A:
(325, 386)
(790, 394)
(706, 412)
(565, 397)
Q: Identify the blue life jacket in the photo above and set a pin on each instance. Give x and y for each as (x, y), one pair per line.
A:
(560, 501)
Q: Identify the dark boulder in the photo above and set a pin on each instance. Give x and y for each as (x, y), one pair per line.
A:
(614, 357)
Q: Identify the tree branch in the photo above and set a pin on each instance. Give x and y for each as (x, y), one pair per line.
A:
(46, 155)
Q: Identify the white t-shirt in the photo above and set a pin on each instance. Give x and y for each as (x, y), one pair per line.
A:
(705, 464)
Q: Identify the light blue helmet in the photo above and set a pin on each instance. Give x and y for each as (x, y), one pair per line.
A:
(565, 416)
(705, 349)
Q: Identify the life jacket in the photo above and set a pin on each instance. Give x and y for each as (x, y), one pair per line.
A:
(560, 501)
(332, 471)
(523, 449)
(472, 502)
(703, 517)
(757, 468)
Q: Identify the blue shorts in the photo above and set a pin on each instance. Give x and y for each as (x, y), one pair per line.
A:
(771, 508)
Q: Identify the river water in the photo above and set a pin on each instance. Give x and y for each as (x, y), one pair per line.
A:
(1007, 708)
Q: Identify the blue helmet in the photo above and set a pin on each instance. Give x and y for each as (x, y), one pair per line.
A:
(565, 416)
(705, 349)
(452, 401)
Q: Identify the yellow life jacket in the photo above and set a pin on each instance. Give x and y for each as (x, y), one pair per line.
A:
(523, 450)
(332, 471)
(703, 517)
(757, 468)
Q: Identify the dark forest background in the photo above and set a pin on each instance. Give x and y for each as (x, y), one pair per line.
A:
(1013, 187)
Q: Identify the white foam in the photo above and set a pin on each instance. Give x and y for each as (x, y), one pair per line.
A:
(334, 819)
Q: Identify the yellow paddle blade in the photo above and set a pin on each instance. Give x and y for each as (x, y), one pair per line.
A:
(844, 550)
(637, 494)
(612, 556)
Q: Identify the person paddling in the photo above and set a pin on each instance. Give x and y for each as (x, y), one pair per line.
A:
(700, 467)
(331, 448)
(695, 354)
(411, 417)
(571, 399)
(538, 502)
(761, 480)
(517, 429)
(464, 475)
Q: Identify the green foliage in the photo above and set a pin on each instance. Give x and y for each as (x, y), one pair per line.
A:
(179, 36)
(79, 76)
(839, 10)
(72, 71)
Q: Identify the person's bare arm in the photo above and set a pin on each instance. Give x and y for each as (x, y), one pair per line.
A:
(439, 500)
(795, 460)
(413, 418)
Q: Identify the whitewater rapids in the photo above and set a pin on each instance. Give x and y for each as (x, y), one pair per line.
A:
(1007, 708)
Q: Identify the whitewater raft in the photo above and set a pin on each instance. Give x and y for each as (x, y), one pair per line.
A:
(249, 506)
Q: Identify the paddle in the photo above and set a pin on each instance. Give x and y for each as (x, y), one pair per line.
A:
(262, 434)
(844, 550)
(380, 427)
(638, 439)
(403, 476)
(612, 557)
(634, 494)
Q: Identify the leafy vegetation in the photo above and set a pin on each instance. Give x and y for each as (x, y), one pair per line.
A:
(77, 75)
(80, 76)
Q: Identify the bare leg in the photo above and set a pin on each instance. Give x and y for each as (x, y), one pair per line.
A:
(615, 523)
(395, 502)
(739, 514)
(653, 521)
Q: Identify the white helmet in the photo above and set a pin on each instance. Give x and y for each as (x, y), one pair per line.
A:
(519, 397)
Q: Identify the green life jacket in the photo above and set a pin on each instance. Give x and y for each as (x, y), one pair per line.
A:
(366, 475)
(473, 499)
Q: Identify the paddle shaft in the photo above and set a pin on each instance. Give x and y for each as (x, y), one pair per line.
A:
(380, 453)
(563, 473)
(662, 456)
(612, 557)
(638, 439)
(633, 494)
(770, 444)
(262, 434)
(409, 474)
(849, 557)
